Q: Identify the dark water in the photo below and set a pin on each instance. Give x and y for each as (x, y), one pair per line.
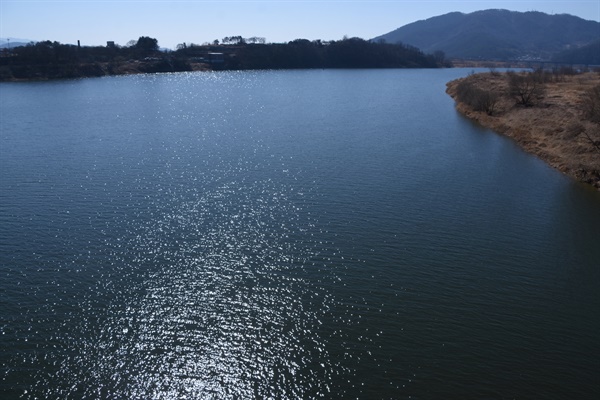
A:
(297, 234)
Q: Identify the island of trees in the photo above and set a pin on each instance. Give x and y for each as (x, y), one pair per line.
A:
(53, 60)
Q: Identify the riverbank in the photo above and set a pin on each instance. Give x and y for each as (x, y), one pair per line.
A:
(555, 126)
(43, 72)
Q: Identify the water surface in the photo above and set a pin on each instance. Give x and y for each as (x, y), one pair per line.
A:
(291, 234)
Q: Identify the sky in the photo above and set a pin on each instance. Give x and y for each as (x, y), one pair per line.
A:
(94, 22)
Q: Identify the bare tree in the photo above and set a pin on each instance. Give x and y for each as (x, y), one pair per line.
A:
(592, 104)
(478, 99)
(256, 40)
(592, 112)
(526, 89)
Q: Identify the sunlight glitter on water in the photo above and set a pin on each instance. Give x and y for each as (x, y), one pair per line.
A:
(227, 307)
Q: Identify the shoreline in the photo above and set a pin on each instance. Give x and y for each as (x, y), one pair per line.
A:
(40, 73)
(555, 127)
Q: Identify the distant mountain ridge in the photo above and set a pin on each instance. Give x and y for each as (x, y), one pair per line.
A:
(11, 42)
(497, 34)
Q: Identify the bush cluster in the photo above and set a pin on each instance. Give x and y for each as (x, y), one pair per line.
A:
(592, 104)
(477, 99)
(526, 88)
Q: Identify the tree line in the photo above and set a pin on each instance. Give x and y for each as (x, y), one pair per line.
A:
(345, 53)
(49, 52)
(56, 60)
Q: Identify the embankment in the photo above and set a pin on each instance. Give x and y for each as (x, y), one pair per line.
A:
(558, 125)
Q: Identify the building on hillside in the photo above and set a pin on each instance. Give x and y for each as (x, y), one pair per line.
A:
(216, 58)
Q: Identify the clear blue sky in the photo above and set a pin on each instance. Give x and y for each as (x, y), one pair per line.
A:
(94, 22)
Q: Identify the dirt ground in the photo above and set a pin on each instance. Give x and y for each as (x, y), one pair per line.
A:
(555, 128)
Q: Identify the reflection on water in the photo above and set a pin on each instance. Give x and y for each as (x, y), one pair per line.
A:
(226, 306)
(293, 234)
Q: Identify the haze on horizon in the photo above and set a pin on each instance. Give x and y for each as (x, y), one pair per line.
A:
(94, 22)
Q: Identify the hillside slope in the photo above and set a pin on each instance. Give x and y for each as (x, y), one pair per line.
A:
(497, 34)
(587, 55)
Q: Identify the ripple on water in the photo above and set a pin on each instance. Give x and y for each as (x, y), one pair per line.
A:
(216, 300)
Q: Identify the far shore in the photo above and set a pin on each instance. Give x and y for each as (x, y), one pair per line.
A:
(555, 127)
(30, 73)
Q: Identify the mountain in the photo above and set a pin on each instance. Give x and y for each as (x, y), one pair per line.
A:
(588, 55)
(13, 42)
(497, 34)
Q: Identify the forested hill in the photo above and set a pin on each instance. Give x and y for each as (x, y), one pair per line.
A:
(347, 53)
(53, 60)
(497, 34)
(589, 55)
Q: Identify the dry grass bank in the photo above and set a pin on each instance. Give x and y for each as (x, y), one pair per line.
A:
(556, 127)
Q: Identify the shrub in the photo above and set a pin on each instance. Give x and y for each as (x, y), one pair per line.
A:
(526, 89)
(592, 104)
(477, 99)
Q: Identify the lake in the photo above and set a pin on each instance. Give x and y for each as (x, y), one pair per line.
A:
(286, 234)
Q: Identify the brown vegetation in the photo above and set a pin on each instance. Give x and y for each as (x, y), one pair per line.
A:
(555, 116)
